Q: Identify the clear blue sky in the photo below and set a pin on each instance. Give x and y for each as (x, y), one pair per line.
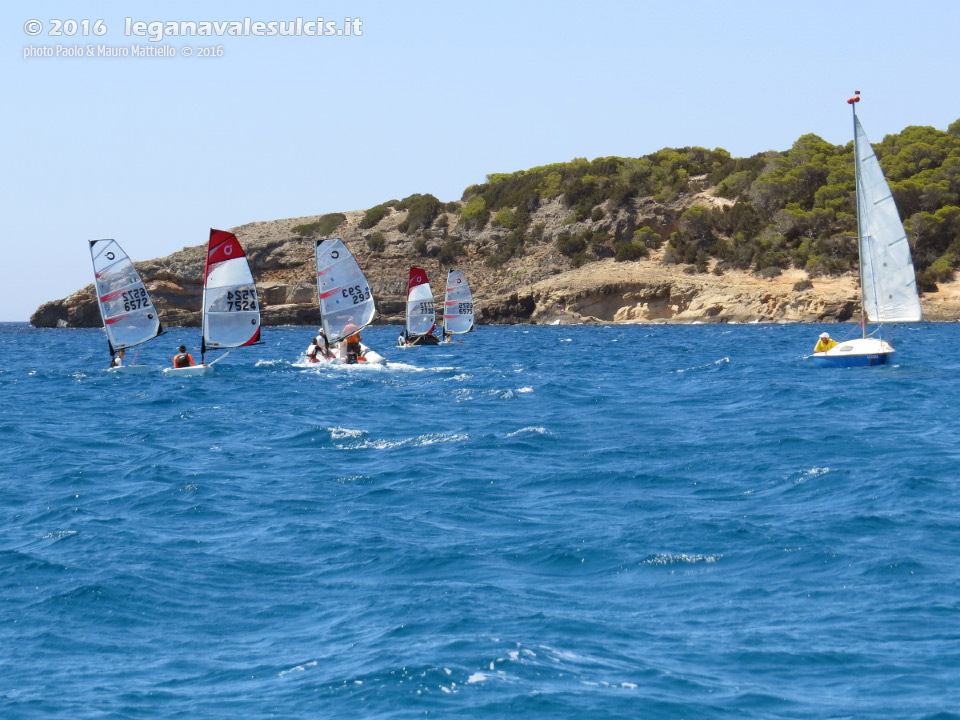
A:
(432, 97)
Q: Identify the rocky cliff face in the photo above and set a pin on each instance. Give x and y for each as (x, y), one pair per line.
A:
(532, 287)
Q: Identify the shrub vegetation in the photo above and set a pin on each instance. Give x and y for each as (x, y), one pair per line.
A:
(324, 226)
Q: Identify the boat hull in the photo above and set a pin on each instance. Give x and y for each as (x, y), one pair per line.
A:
(418, 340)
(862, 352)
(192, 371)
(370, 357)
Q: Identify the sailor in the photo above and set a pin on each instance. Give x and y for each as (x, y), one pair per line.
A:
(351, 351)
(319, 347)
(183, 358)
(825, 343)
(313, 351)
(117, 361)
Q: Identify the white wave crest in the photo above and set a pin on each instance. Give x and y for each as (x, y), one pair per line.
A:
(298, 668)
(537, 429)
(715, 363)
(418, 441)
(672, 559)
(339, 433)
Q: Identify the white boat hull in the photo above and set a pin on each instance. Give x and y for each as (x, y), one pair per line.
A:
(861, 352)
(192, 371)
(370, 357)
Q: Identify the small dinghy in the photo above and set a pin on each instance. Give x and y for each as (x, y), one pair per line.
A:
(346, 304)
(421, 313)
(457, 306)
(231, 308)
(129, 317)
(888, 284)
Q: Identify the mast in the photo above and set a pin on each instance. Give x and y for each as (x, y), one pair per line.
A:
(323, 328)
(96, 288)
(203, 305)
(856, 166)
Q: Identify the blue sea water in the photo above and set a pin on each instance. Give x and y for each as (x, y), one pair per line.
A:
(541, 522)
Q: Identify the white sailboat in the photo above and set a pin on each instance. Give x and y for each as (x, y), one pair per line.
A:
(457, 305)
(129, 317)
(346, 303)
(421, 315)
(888, 283)
(231, 308)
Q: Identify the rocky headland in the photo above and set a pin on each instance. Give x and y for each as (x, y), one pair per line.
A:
(530, 287)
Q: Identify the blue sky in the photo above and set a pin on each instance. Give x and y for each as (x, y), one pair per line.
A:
(431, 98)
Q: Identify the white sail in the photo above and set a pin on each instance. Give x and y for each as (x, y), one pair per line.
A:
(346, 303)
(457, 304)
(421, 314)
(887, 278)
(231, 309)
(129, 317)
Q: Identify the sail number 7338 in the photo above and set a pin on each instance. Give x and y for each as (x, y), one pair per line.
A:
(356, 294)
(238, 300)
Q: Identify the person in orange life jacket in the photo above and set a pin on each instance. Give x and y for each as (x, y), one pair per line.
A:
(183, 358)
(825, 343)
(351, 349)
(117, 361)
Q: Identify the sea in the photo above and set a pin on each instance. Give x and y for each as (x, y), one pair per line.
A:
(630, 521)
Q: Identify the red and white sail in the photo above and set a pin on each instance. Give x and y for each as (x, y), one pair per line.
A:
(231, 308)
(129, 317)
(421, 314)
(346, 303)
(457, 305)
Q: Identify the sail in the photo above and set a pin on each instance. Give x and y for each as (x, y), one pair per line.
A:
(887, 279)
(231, 309)
(457, 304)
(345, 298)
(129, 317)
(421, 315)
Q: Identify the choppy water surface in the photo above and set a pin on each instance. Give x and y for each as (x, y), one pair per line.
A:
(542, 522)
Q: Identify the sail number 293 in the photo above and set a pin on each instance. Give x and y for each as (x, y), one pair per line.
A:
(355, 294)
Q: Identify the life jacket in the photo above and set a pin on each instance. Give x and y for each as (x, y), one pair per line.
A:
(182, 360)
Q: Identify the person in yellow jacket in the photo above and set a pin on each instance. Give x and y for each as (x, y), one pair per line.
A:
(825, 343)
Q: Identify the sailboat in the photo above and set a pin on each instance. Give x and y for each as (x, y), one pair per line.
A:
(457, 305)
(421, 316)
(231, 308)
(129, 318)
(888, 283)
(346, 303)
